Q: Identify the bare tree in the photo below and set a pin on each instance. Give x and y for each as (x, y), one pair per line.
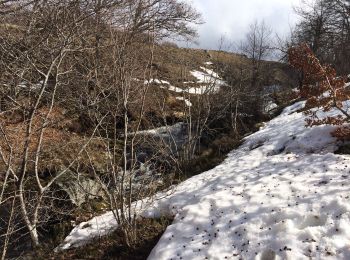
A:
(257, 47)
(85, 58)
(131, 38)
(35, 49)
(324, 26)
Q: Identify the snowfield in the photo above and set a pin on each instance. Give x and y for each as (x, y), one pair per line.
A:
(283, 194)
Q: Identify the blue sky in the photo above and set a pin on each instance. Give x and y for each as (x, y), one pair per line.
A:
(231, 18)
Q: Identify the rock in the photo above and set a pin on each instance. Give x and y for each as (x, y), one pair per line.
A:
(80, 188)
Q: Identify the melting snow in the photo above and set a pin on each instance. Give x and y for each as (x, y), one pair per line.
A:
(156, 81)
(207, 77)
(199, 90)
(162, 131)
(187, 102)
(210, 72)
(210, 80)
(175, 89)
(283, 194)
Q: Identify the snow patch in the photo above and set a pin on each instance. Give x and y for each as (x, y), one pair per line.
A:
(210, 83)
(156, 81)
(162, 131)
(187, 102)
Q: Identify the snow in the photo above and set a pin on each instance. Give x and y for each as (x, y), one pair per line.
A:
(187, 102)
(96, 227)
(210, 82)
(86, 231)
(156, 81)
(283, 194)
(210, 72)
(207, 77)
(162, 131)
(200, 90)
(174, 89)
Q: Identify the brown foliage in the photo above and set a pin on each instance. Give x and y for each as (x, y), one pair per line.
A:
(322, 89)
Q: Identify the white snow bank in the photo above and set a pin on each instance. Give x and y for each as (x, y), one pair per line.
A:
(282, 195)
(87, 231)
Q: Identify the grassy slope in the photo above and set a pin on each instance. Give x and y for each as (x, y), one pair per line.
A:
(175, 64)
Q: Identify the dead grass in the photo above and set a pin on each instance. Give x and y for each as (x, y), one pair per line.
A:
(112, 247)
(59, 147)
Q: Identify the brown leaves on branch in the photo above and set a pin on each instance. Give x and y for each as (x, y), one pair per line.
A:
(322, 89)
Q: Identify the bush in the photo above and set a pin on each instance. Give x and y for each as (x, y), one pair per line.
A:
(322, 89)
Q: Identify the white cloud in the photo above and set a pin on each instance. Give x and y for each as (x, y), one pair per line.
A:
(231, 18)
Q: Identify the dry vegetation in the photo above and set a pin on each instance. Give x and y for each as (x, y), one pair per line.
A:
(73, 100)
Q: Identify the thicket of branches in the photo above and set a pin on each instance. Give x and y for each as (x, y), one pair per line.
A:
(325, 27)
(323, 90)
(76, 94)
(71, 92)
(320, 50)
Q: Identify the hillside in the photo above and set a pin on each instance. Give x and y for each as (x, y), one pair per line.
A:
(180, 76)
(175, 64)
(180, 79)
(116, 143)
(282, 195)
(83, 143)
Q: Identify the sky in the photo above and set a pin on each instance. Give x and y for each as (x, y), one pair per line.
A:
(231, 19)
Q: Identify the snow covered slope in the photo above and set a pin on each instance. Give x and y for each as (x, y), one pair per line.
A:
(283, 194)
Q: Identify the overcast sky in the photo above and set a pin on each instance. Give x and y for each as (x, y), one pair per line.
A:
(231, 18)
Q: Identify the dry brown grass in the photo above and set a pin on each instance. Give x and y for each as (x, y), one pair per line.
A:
(59, 145)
